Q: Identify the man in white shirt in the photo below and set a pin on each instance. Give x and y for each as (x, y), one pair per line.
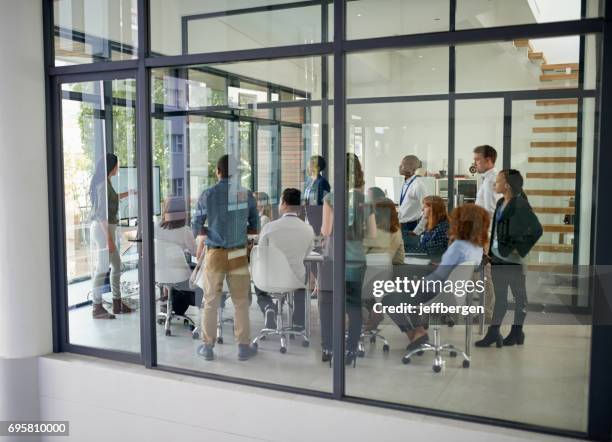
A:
(294, 238)
(484, 160)
(411, 196)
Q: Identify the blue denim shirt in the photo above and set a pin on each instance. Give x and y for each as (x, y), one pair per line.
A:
(230, 210)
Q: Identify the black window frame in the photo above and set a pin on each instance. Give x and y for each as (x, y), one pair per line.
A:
(338, 47)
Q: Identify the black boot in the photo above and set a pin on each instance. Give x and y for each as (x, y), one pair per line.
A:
(516, 336)
(492, 336)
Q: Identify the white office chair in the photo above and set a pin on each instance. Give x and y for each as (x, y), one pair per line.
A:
(462, 272)
(171, 269)
(379, 267)
(272, 273)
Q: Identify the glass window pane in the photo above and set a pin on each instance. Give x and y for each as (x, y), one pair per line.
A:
(101, 209)
(485, 14)
(397, 72)
(184, 26)
(381, 18)
(87, 31)
(267, 117)
(549, 63)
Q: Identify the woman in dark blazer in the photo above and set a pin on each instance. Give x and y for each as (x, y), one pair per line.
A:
(315, 189)
(515, 230)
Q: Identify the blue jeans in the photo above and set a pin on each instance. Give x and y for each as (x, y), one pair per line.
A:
(406, 229)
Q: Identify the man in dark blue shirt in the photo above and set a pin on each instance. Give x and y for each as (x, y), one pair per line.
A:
(231, 212)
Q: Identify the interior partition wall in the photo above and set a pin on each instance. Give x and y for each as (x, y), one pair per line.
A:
(151, 80)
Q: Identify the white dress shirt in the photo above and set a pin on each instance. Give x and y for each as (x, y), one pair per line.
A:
(293, 237)
(486, 196)
(411, 205)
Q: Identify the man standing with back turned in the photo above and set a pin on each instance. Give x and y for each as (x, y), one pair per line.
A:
(411, 196)
(484, 160)
(230, 210)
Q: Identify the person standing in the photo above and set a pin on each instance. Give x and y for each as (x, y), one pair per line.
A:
(515, 230)
(412, 194)
(486, 197)
(231, 212)
(103, 233)
(315, 189)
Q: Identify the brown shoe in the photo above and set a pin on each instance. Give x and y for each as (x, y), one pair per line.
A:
(99, 312)
(120, 307)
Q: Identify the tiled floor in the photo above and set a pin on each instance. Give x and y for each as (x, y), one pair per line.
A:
(543, 382)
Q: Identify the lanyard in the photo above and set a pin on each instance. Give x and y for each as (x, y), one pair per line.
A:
(405, 191)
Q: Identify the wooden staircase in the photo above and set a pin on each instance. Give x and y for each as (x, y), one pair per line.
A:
(550, 178)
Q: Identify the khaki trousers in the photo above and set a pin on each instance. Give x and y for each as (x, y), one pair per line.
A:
(217, 268)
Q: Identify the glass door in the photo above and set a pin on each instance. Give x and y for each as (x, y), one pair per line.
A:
(100, 175)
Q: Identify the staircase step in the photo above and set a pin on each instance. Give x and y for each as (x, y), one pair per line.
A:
(551, 159)
(554, 248)
(548, 192)
(551, 268)
(557, 102)
(551, 175)
(556, 115)
(558, 228)
(560, 210)
(559, 129)
(554, 144)
(523, 43)
(560, 66)
(554, 77)
(536, 56)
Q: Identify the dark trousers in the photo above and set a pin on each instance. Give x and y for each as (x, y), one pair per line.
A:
(353, 310)
(406, 229)
(504, 276)
(406, 321)
(266, 302)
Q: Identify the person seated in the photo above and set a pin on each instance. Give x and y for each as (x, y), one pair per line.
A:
(294, 238)
(173, 228)
(264, 208)
(434, 239)
(468, 234)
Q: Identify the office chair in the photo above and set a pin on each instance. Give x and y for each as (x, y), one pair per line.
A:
(171, 269)
(462, 272)
(271, 272)
(379, 266)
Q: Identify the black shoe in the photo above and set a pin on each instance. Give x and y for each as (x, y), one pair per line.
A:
(417, 343)
(516, 336)
(350, 358)
(270, 316)
(492, 336)
(206, 351)
(326, 355)
(246, 351)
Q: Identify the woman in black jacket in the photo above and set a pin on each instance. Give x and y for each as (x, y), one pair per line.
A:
(515, 230)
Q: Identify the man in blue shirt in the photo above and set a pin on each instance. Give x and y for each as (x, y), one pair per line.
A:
(231, 211)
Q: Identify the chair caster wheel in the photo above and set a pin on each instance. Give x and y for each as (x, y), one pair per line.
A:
(255, 345)
(185, 322)
(195, 335)
(405, 360)
(219, 340)
(437, 368)
(453, 354)
(386, 348)
(191, 327)
(451, 323)
(466, 364)
(420, 353)
(373, 340)
(161, 321)
(305, 343)
(168, 333)
(361, 353)
(283, 350)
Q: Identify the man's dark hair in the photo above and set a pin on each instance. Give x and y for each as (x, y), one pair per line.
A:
(319, 161)
(223, 166)
(292, 197)
(487, 151)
